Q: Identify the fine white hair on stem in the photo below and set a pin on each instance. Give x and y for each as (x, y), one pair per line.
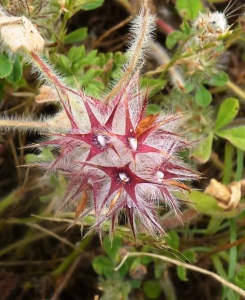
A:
(41, 125)
(141, 31)
(43, 68)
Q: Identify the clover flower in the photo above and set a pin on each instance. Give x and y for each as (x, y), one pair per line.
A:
(115, 156)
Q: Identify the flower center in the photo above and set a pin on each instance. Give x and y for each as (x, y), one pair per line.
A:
(160, 176)
(100, 140)
(123, 177)
(133, 143)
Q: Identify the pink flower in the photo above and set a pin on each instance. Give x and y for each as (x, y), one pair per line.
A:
(124, 160)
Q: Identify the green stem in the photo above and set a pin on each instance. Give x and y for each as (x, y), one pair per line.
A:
(229, 152)
(239, 166)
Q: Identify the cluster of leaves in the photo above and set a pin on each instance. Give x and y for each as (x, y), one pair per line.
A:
(92, 71)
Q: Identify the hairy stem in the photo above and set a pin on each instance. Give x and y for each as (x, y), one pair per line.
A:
(141, 30)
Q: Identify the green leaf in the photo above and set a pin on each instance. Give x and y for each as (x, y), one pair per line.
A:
(203, 96)
(204, 148)
(6, 66)
(112, 247)
(189, 86)
(154, 85)
(219, 266)
(219, 79)
(93, 5)
(235, 136)
(240, 278)
(185, 27)
(90, 74)
(173, 38)
(204, 203)
(31, 158)
(153, 109)
(189, 255)
(119, 57)
(208, 205)
(76, 36)
(88, 4)
(44, 156)
(189, 8)
(173, 240)
(54, 181)
(152, 289)
(103, 266)
(227, 112)
(90, 59)
(181, 272)
(76, 53)
(91, 55)
(64, 64)
(16, 72)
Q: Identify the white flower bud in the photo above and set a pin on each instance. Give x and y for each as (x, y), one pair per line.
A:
(19, 32)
